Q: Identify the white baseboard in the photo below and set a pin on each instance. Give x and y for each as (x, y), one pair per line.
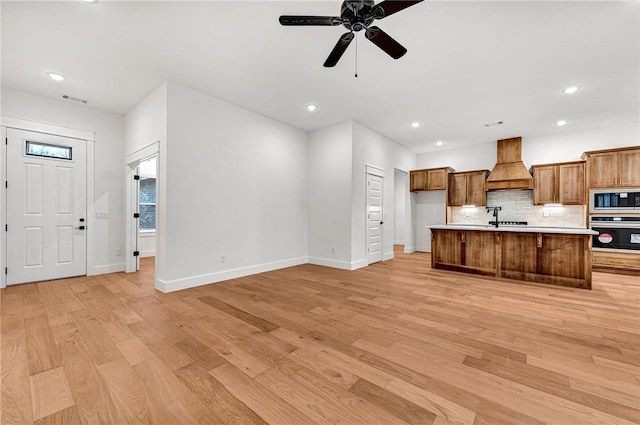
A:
(107, 268)
(205, 279)
(409, 249)
(423, 248)
(398, 242)
(148, 253)
(387, 256)
(336, 264)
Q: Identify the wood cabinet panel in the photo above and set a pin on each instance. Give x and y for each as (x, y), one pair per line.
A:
(561, 256)
(544, 184)
(519, 252)
(476, 194)
(417, 180)
(603, 169)
(446, 247)
(629, 166)
(457, 191)
(437, 179)
(557, 259)
(571, 183)
(476, 254)
(558, 183)
(614, 168)
(467, 188)
(429, 179)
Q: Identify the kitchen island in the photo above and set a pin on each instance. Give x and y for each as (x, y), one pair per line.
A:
(552, 255)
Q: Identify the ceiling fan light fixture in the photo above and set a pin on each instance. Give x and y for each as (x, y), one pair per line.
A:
(311, 107)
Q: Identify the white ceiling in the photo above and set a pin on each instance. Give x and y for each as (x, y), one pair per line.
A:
(468, 63)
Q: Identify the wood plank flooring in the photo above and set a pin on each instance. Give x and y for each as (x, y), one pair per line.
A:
(393, 343)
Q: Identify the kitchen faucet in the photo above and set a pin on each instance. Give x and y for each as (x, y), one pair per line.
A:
(495, 214)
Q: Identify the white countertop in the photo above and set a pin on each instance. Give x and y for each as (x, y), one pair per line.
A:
(515, 229)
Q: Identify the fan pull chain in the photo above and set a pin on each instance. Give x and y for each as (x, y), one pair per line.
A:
(356, 56)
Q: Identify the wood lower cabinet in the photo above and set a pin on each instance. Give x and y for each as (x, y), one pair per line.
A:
(429, 179)
(552, 258)
(559, 183)
(616, 262)
(467, 188)
(613, 168)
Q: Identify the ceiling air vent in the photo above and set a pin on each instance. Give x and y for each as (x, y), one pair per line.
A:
(74, 99)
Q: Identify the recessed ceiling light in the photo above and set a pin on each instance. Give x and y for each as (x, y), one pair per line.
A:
(415, 124)
(89, 1)
(439, 143)
(56, 77)
(570, 90)
(561, 123)
(311, 107)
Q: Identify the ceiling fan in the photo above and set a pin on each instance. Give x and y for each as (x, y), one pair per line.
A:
(357, 15)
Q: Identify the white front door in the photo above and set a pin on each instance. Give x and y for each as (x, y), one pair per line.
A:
(374, 218)
(46, 207)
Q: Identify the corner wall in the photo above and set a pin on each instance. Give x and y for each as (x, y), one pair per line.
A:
(329, 172)
(371, 148)
(236, 196)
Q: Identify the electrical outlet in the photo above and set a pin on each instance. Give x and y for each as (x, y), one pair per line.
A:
(545, 213)
(333, 250)
(222, 259)
(119, 252)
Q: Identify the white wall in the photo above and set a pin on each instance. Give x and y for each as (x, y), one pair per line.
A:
(236, 187)
(146, 123)
(329, 173)
(109, 151)
(430, 210)
(400, 184)
(370, 148)
(560, 147)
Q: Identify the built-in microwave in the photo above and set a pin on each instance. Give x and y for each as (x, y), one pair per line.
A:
(614, 201)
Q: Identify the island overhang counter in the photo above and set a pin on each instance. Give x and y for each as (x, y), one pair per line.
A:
(551, 255)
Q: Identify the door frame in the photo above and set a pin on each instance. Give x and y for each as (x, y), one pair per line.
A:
(379, 172)
(54, 130)
(132, 162)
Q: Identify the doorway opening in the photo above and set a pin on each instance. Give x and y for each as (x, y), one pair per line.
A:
(143, 231)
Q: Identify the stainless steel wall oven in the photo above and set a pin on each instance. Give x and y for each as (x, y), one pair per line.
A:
(616, 233)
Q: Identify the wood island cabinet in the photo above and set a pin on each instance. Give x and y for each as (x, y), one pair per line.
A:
(552, 258)
(613, 168)
(561, 183)
(429, 179)
(467, 188)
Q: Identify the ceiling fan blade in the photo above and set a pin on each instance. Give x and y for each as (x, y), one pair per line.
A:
(385, 42)
(310, 20)
(339, 49)
(389, 7)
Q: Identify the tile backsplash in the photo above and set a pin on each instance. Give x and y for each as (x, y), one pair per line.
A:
(517, 205)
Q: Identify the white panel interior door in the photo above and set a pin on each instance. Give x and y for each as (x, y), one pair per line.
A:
(46, 207)
(374, 218)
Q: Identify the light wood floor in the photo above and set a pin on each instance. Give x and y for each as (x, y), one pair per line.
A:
(394, 343)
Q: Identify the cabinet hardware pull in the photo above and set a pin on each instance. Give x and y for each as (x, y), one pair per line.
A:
(539, 240)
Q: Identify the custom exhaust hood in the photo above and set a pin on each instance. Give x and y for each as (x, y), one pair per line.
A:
(509, 172)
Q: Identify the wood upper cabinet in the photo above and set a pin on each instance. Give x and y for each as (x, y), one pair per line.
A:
(558, 183)
(429, 179)
(613, 168)
(467, 188)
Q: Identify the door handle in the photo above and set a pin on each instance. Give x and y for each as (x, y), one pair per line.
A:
(79, 228)
(382, 222)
